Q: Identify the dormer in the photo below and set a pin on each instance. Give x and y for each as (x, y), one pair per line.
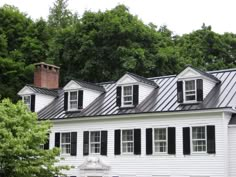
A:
(37, 98)
(193, 85)
(79, 94)
(132, 89)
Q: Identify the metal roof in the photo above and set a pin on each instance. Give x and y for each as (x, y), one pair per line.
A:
(90, 85)
(45, 91)
(162, 99)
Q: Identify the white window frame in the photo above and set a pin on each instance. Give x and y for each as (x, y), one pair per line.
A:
(184, 90)
(65, 143)
(122, 100)
(155, 152)
(90, 143)
(23, 99)
(191, 138)
(122, 142)
(69, 100)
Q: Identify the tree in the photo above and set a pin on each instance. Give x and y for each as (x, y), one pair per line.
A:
(21, 136)
(60, 16)
(104, 45)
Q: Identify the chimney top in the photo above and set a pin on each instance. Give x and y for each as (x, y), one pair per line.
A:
(46, 75)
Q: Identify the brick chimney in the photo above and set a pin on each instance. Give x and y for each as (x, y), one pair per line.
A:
(46, 75)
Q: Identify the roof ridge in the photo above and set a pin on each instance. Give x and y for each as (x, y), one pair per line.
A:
(44, 88)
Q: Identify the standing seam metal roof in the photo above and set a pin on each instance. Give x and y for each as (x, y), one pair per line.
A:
(162, 99)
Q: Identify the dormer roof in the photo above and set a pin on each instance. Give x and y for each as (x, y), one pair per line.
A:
(192, 72)
(44, 91)
(88, 85)
(137, 78)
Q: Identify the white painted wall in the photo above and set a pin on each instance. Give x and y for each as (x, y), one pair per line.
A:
(151, 165)
(42, 101)
(232, 151)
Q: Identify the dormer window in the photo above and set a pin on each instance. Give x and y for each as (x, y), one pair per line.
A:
(27, 100)
(73, 100)
(190, 90)
(127, 95)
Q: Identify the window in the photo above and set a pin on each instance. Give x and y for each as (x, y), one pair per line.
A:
(95, 139)
(65, 143)
(127, 95)
(27, 100)
(160, 140)
(190, 90)
(199, 139)
(127, 141)
(73, 100)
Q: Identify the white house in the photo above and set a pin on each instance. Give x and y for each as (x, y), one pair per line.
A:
(171, 126)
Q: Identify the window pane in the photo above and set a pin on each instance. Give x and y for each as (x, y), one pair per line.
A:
(127, 147)
(127, 90)
(188, 98)
(65, 138)
(95, 136)
(127, 135)
(95, 148)
(190, 85)
(198, 133)
(65, 148)
(160, 134)
(73, 95)
(127, 98)
(160, 147)
(73, 105)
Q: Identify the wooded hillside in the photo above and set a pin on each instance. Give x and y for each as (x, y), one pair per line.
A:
(102, 46)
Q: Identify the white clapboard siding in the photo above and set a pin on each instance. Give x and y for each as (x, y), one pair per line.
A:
(232, 151)
(149, 165)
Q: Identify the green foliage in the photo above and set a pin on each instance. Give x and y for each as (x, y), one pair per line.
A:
(21, 136)
(102, 46)
(13, 76)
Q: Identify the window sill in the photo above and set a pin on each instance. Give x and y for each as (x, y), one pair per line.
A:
(74, 110)
(191, 103)
(200, 154)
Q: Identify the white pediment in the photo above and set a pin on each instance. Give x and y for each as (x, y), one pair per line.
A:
(72, 85)
(94, 163)
(189, 73)
(126, 79)
(25, 91)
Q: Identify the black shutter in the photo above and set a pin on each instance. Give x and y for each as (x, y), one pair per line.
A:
(103, 142)
(80, 99)
(65, 101)
(186, 140)
(137, 141)
(118, 96)
(73, 151)
(57, 139)
(117, 142)
(46, 145)
(86, 143)
(32, 101)
(199, 90)
(180, 95)
(171, 140)
(135, 95)
(211, 147)
(149, 141)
